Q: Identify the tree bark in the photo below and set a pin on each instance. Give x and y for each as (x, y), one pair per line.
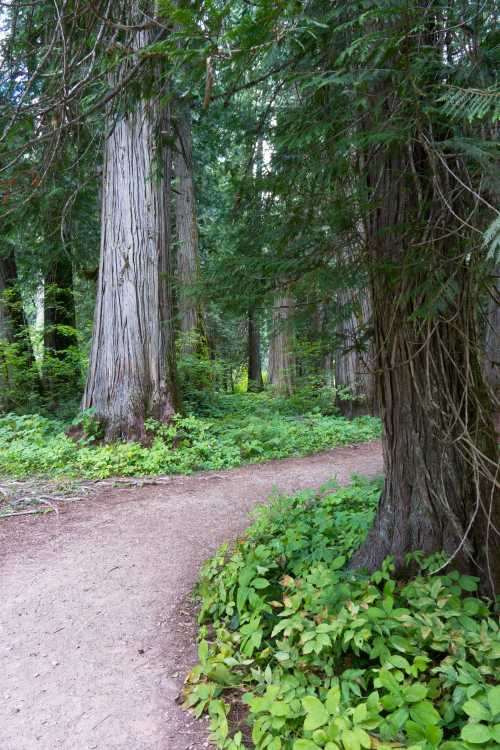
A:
(492, 340)
(281, 357)
(188, 264)
(354, 376)
(254, 359)
(132, 372)
(440, 454)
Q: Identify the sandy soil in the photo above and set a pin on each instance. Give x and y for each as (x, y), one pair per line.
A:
(96, 626)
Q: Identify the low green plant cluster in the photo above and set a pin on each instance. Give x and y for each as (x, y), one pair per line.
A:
(316, 657)
(254, 431)
(309, 399)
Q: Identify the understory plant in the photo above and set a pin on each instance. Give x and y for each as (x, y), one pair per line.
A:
(249, 429)
(297, 652)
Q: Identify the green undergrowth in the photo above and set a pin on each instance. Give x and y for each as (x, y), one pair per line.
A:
(298, 653)
(240, 429)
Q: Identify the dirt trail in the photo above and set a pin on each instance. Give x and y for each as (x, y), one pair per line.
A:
(95, 631)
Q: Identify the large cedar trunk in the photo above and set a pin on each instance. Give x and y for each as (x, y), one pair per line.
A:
(188, 264)
(131, 375)
(254, 358)
(441, 490)
(354, 376)
(492, 340)
(17, 370)
(281, 356)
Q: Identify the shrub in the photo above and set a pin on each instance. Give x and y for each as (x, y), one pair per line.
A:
(253, 431)
(321, 657)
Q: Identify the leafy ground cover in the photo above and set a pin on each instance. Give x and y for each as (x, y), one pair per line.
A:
(312, 656)
(227, 431)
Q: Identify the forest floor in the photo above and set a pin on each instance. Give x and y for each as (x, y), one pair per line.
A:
(97, 626)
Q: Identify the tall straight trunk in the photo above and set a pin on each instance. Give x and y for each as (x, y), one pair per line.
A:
(492, 340)
(254, 358)
(440, 453)
(354, 378)
(17, 364)
(188, 264)
(281, 356)
(132, 371)
(60, 325)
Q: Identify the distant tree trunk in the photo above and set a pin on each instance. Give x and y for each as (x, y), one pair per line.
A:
(281, 357)
(492, 340)
(188, 264)
(17, 368)
(440, 454)
(60, 325)
(353, 378)
(254, 358)
(132, 372)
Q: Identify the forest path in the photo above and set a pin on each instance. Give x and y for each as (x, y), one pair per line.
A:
(96, 630)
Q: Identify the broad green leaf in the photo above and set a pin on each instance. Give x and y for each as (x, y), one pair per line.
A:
(424, 713)
(280, 708)
(333, 700)
(338, 563)
(398, 661)
(282, 655)
(363, 737)
(360, 713)
(475, 710)
(494, 699)
(476, 733)
(317, 715)
(305, 745)
(320, 737)
(388, 681)
(495, 733)
(402, 644)
(415, 692)
(260, 583)
(468, 583)
(350, 740)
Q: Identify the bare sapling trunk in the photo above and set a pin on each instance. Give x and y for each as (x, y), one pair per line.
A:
(131, 374)
(281, 354)
(354, 376)
(254, 356)
(188, 264)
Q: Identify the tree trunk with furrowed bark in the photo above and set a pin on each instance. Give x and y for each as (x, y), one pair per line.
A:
(492, 339)
(254, 359)
(281, 355)
(440, 454)
(132, 371)
(354, 379)
(188, 263)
